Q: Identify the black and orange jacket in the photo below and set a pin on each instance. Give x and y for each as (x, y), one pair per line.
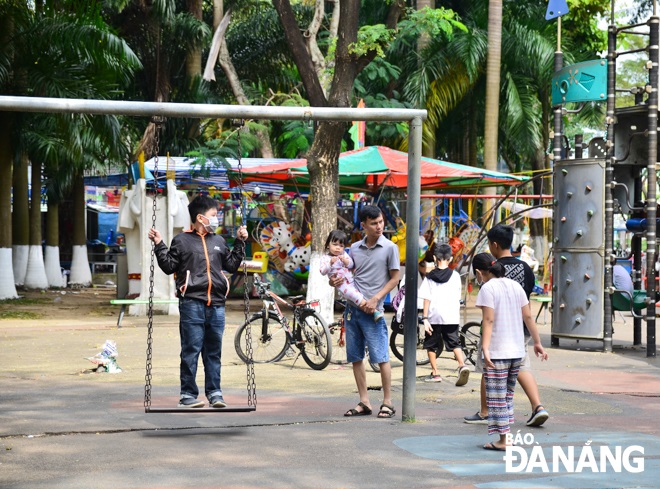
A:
(198, 261)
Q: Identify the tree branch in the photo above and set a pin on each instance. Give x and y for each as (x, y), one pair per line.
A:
(301, 56)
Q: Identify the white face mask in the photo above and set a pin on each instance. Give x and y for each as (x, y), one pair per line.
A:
(212, 225)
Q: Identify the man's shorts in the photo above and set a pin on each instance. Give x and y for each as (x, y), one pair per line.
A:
(526, 365)
(363, 331)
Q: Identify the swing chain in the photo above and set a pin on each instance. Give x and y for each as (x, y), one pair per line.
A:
(150, 311)
(251, 382)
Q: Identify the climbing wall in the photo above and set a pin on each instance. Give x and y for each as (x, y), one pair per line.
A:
(578, 248)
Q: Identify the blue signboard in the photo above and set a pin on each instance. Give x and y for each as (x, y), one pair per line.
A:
(581, 82)
(556, 8)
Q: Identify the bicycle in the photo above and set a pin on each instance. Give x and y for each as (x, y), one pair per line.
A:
(469, 336)
(273, 336)
(338, 333)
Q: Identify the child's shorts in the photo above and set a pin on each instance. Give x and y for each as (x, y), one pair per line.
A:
(448, 332)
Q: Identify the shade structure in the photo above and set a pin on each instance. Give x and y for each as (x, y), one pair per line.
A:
(524, 210)
(374, 167)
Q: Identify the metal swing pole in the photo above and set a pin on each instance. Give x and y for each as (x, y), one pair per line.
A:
(415, 117)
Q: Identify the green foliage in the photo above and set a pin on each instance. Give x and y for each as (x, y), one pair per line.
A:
(580, 29)
(372, 38)
(390, 134)
(224, 144)
(296, 138)
(437, 22)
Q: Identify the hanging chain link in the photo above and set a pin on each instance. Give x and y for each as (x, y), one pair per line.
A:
(251, 382)
(150, 311)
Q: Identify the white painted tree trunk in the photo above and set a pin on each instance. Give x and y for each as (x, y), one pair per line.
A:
(20, 262)
(81, 275)
(53, 267)
(319, 288)
(7, 286)
(35, 277)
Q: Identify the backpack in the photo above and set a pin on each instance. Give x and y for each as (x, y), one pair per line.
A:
(398, 305)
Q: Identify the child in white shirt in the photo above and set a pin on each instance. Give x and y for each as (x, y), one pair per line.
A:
(441, 291)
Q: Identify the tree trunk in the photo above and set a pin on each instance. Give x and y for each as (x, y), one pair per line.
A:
(492, 90)
(318, 59)
(429, 139)
(323, 166)
(52, 257)
(194, 56)
(194, 63)
(299, 51)
(35, 277)
(20, 218)
(323, 157)
(80, 271)
(7, 286)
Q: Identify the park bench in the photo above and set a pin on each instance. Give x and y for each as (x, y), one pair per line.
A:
(127, 302)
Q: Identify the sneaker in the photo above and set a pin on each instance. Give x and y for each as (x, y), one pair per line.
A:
(190, 402)
(378, 315)
(433, 378)
(217, 401)
(539, 416)
(476, 418)
(463, 376)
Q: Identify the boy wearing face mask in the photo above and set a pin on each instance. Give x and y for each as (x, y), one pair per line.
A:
(197, 258)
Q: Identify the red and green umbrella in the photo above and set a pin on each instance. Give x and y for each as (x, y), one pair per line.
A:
(374, 167)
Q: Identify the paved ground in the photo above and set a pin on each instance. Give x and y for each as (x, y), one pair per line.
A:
(63, 427)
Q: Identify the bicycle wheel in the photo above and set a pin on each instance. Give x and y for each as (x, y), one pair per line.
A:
(316, 348)
(265, 348)
(470, 336)
(338, 334)
(422, 358)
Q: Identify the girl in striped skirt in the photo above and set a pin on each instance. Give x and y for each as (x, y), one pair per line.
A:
(501, 301)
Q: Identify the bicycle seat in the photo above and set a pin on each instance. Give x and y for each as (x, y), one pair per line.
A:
(297, 300)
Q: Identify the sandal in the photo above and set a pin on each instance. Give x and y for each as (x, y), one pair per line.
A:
(492, 446)
(386, 411)
(366, 410)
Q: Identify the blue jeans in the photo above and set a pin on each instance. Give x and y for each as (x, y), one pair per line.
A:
(362, 330)
(201, 328)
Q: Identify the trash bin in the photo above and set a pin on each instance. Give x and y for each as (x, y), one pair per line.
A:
(122, 275)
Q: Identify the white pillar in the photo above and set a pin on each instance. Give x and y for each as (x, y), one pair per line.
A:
(53, 267)
(19, 262)
(7, 286)
(35, 277)
(80, 275)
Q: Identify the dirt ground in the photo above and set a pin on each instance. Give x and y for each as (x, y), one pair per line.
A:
(51, 334)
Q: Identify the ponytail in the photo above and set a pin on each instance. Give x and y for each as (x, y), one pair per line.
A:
(486, 262)
(497, 269)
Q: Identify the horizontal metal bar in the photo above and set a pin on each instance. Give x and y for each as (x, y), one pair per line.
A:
(637, 33)
(204, 111)
(234, 409)
(631, 26)
(632, 51)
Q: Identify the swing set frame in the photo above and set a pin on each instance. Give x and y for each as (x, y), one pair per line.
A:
(414, 117)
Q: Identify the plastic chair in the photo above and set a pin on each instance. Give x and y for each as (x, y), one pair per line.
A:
(621, 302)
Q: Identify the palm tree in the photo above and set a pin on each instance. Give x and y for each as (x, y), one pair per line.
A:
(56, 49)
(493, 67)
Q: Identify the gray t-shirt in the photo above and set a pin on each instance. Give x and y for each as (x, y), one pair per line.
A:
(373, 265)
(621, 279)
